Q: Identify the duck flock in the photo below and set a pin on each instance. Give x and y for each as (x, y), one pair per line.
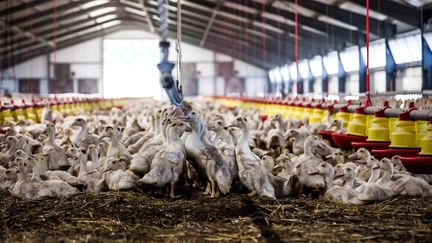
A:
(209, 148)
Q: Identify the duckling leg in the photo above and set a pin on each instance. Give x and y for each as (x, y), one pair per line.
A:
(252, 193)
(208, 189)
(212, 182)
(172, 189)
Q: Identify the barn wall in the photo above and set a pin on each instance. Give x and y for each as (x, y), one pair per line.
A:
(86, 61)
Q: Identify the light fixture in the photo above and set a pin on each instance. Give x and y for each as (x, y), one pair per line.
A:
(102, 11)
(111, 24)
(105, 18)
(94, 3)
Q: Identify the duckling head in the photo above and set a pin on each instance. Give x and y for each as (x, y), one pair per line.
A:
(325, 169)
(10, 174)
(179, 127)
(347, 171)
(397, 163)
(49, 127)
(11, 140)
(336, 156)
(216, 126)
(386, 164)
(114, 164)
(240, 122)
(82, 153)
(22, 165)
(20, 153)
(372, 162)
(79, 122)
(361, 154)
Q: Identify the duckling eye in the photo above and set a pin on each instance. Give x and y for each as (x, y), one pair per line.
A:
(323, 165)
(245, 119)
(348, 169)
(220, 123)
(238, 119)
(25, 164)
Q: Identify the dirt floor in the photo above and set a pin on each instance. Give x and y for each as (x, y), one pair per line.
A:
(143, 216)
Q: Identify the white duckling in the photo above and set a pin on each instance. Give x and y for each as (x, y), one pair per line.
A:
(333, 192)
(117, 177)
(337, 157)
(252, 173)
(405, 184)
(167, 165)
(338, 126)
(307, 162)
(299, 136)
(399, 168)
(225, 145)
(58, 187)
(55, 155)
(371, 190)
(39, 163)
(24, 188)
(83, 138)
(91, 179)
(6, 157)
(115, 148)
(285, 184)
(8, 177)
(361, 156)
(141, 161)
(268, 163)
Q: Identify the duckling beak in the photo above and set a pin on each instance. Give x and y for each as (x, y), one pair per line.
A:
(188, 129)
(353, 156)
(329, 156)
(313, 172)
(278, 166)
(339, 175)
(210, 127)
(375, 167)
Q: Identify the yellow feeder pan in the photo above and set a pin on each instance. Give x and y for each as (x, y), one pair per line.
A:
(379, 130)
(343, 115)
(7, 114)
(307, 112)
(358, 124)
(404, 135)
(426, 142)
(298, 110)
(318, 113)
(421, 130)
(316, 116)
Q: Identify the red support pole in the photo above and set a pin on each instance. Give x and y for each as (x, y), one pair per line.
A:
(368, 100)
(264, 44)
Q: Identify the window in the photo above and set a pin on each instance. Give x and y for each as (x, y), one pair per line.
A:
(350, 59)
(293, 71)
(304, 69)
(316, 66)
(377, 54)
(406, 49)
(130, 68)
(285, 73)
(331, 63)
